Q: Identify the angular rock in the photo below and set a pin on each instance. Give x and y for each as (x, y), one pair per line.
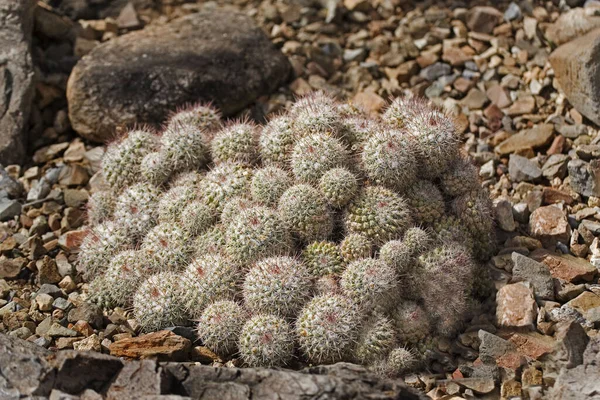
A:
(483, 19)
(527, 269)
(565, 266)
(338, 381)
(9, 209)
(572, 25)
(580, 382)
(137, 379)
(587, 303)
(218, 56)
(76, 371)
(516, 307)
(161, 346)
(9, 185)
(537, 136)
(494, 349)
(549, 225)
(585, 177)
(522, 169)
(87, 312)
(504, 216)
(575, 65)
(16, 78)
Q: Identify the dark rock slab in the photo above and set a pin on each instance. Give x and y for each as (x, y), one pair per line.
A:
(219, 56)
(16, 78)
(338, 381)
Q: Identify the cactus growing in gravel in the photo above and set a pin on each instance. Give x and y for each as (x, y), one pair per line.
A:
(277, 285)
(220, 325)
(266, 341)
(158, 302)
(327, 327)
(339, 186)
(323, 236)
(323, 258)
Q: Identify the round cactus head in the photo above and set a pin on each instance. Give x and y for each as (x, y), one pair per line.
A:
(237, 143)
(315, 154)
(157, 302)
(266, 341)
(379, 214)
(305, 212)
(269, 184)
(203, 116)
(339, 186)
(220, 325)
(327, 328)
(323, 258)
(355, 246)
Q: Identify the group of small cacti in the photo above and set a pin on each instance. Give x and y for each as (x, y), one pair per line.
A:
(325, 235)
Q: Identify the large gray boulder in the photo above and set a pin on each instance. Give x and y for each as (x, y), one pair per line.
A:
(219, 56)
(16, 78)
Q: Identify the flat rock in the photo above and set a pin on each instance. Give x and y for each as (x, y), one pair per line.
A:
(580, 382)
(537, 136)
(576, 65)
(522, 169)
(527, 269)
(219, 56)
(565, 266)
(516, 306)
(16, 78)
(586, 303)
(162, 345)
(549, 225)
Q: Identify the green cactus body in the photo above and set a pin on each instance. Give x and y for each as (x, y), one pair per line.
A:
(202, 116)
(277, 285)
(224, 182)
(305, 212)
(211, 241)
(434, 134)
(236, 143)
(255, 233)
(101, 206)
(462, 177)
(197, 218)
(314, 155)
(316, 113)
(136, 209)
(154, 169)
(234, 206)
(209, 278)
(99, 246)
(183, 148)
(157, 302)
(450, 265)
(220, 325)
(401, 361)
(266, 341)
(401, 254)
(376, 338)
(121, 163)
(327, 327)
(339, 186)
(323, 258)
(117, 285)
(379, 214)
(277, 141)
(357, 130)
(369, 282)
(389, 160)
(426, 202)
(166, 247)
(355, 246)
(173, 201)
(411, 322)
(269, 184)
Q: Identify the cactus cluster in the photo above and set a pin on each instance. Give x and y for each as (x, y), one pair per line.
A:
(325, 235)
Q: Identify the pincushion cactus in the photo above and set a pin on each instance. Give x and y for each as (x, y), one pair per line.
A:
(266, 341)
(323, 236)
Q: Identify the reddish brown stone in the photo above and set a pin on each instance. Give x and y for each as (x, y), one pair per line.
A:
(555, 196)
(516, 306)
(549, 225)
(565, 267)
(532, 344)
(161, 346)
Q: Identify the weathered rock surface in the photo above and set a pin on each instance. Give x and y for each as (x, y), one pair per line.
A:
(218, 56)
(16, 78)
(576, 65)
(580, 382)
(516, 306)
(585, 177)
(572, 24)
(161, 346)
(29, 370)
(530, 138)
